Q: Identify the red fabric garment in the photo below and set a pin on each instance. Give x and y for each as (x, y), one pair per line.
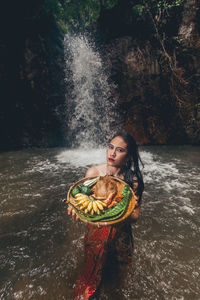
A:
(96, 245)
(98, 242)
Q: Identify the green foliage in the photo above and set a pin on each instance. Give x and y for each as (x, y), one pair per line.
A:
(75, 14)
(54, 8)
(138, 11)
(157, 7)
(72, 14)
(110, 3)
(83, 14)
(80, 14)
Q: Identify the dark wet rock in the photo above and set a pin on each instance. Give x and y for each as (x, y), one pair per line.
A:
(31, 77)
(159, 106)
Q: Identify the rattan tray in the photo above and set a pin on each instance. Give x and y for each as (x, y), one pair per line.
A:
(120, 184)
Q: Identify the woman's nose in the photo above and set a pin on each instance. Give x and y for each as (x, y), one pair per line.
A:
(113, 153)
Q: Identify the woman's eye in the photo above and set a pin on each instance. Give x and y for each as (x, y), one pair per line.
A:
(110, 146)
(121, 150)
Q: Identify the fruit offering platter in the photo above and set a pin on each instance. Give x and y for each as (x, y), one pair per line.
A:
(102, 200)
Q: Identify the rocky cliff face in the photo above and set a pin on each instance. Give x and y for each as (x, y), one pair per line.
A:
(158, 107)
(159, 82)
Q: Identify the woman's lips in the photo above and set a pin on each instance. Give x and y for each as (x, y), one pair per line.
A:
(111, 159)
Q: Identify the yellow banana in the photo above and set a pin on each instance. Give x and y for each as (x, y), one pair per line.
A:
(90, 206)
(79, 195)
(99, 205)
(98, 211)
(86, 203)
(102, 203)
(94, 206)
(81, 201)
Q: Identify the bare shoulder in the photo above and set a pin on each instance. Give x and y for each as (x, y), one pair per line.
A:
(93, 171)
(96, 170)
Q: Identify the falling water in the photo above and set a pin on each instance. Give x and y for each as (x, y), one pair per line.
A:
(91, 98)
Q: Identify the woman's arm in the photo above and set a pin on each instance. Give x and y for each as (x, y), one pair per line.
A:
(136, 212)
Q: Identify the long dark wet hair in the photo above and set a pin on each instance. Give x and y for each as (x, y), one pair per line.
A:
(131, 167)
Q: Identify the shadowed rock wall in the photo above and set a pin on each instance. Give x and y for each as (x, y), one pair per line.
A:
(159, 81)
(31, 77)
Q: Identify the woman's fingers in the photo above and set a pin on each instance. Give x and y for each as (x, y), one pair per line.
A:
(73, 213)
(77, 217)
(69, 210)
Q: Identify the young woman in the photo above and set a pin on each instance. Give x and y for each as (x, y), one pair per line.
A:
(111, 243)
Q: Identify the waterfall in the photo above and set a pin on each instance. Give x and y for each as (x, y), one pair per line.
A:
(91, 99)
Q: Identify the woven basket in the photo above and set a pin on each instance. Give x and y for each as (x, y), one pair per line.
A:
(120, 185)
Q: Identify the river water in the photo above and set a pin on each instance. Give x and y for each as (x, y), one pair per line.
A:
(41, 246)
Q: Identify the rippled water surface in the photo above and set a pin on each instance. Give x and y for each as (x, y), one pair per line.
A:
(41, 247)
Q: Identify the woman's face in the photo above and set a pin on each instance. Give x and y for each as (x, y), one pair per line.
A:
(117, 152)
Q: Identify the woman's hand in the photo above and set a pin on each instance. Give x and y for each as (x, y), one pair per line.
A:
(136, 212)
(72, 212)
